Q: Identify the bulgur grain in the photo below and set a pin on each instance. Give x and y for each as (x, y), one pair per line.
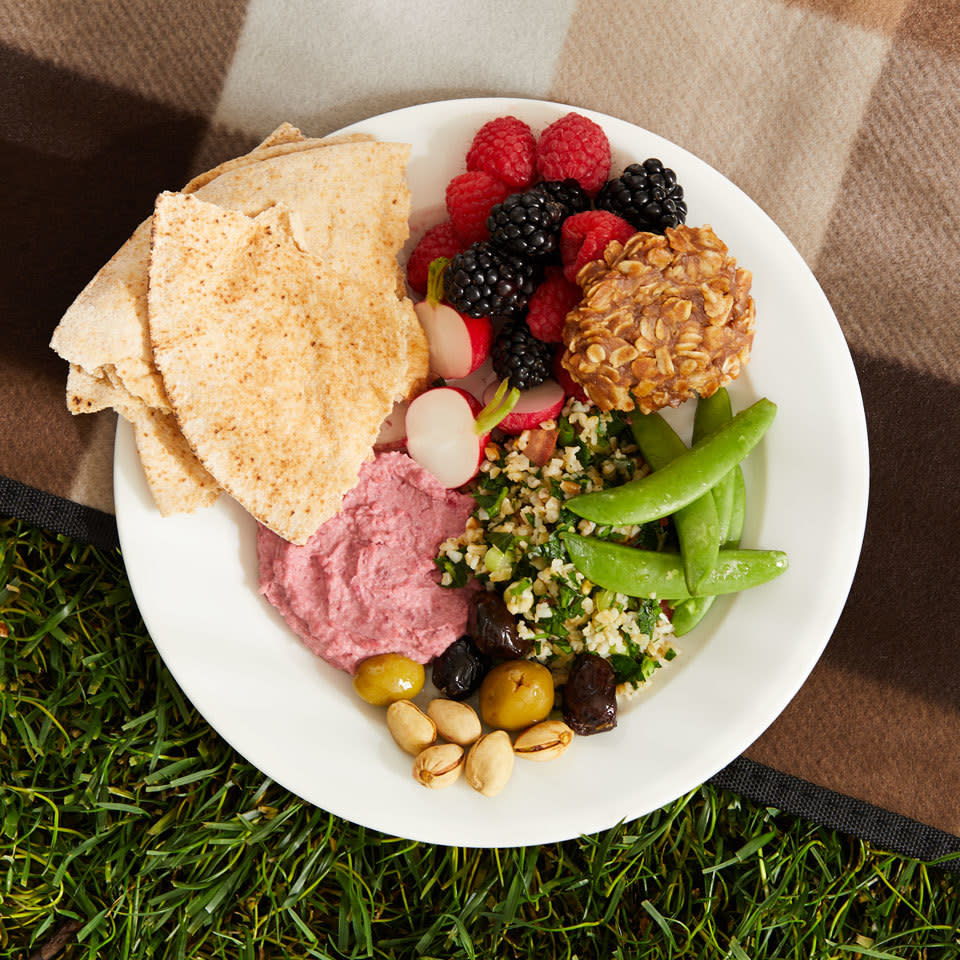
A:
(520, 512)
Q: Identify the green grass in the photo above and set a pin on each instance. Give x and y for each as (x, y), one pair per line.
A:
(128, 827)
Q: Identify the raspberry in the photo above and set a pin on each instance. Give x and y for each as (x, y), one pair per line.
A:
(550, 304)
(576, 147)
(470, 197)
(585, 236)
(439, 241)
(505, 148)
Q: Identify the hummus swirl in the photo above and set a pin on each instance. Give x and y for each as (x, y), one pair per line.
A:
(365, 582)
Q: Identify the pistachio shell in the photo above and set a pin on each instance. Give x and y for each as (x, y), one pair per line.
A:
(438, 766)
(456, 722)
(490, 763)
(412, 729)
(543, 741)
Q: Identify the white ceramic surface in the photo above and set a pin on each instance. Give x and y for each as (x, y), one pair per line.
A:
(195, 577)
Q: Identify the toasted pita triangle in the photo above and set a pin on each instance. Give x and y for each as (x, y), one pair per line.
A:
(279, 369)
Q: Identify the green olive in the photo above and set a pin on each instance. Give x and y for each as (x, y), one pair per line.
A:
(388, 677)
(516, 694)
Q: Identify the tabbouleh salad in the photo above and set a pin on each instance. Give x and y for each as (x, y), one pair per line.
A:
(512, 544)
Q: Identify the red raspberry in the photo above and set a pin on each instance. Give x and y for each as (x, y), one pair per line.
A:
(550, 304)
(574, 146)
(470, 197)
(506, 149)
(439, 241)
(585, 236)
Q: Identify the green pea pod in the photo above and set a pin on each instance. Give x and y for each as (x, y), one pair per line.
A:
(738, 508)
(688, 613)
(659, 576)
(697, 524)
(680, 482)
(711, 414)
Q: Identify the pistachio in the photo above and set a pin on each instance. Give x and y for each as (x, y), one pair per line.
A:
(456, 722)
(412, 729)
(490, 763)
(543, 741)
(438, 766)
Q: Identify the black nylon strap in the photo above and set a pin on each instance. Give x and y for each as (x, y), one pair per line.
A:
(57, 514)
(837, 811)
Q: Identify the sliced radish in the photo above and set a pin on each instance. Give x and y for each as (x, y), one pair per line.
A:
(440, 435)
(458, 344)
(570, 386)
(535, 405)
(447, 430)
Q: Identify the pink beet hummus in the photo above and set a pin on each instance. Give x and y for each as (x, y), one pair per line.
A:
(365, 582)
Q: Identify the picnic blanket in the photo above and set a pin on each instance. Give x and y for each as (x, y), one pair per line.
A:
(840, 118)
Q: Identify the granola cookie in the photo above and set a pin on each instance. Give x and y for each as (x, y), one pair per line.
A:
(662, 319)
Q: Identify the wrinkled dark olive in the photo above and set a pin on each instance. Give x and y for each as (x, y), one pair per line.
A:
(460, 669)
(494, 628)
(590, 696)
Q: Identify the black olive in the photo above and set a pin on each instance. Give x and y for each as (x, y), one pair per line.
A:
(494, 628)
(590, 696)
(460, 669)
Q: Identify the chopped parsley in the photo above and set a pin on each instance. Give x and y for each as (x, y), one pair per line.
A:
(635, 670)
(458, 571)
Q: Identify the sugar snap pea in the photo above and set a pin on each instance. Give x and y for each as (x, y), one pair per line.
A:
(646, 573)
(738, 508)
(689, 476)
(711, 414)
(697, 524)
(688, 613)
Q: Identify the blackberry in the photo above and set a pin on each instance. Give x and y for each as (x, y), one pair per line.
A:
(484, 281)
(568, 193)
(646, 195)
(519, 356)
(526, 224)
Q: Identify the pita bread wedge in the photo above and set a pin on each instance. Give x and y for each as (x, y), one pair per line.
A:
(105, 331)
(178, 483)
(280, 371)
(177, 480)
(103, 327)
(279, 142)
(107, 323)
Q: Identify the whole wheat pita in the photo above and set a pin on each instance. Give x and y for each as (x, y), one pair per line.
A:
(178, 482)
(280, 371)
(105, 332)
(107, 323)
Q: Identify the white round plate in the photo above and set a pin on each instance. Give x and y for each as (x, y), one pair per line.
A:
(298, 720)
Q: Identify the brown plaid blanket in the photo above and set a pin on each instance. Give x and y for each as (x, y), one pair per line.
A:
(841, 118)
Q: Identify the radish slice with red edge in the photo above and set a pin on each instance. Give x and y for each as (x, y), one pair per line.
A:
(447, 430)
(539, 403)
(458, 343)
